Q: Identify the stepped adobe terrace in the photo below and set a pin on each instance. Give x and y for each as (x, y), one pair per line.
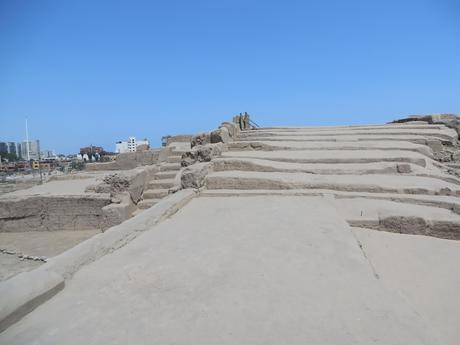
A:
(318, 235)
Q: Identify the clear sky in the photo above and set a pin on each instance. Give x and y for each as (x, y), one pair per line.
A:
(94, 72)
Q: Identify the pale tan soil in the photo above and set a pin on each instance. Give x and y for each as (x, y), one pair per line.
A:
(36, 243)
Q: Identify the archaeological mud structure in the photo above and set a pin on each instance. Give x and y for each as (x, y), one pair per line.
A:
(351, 233)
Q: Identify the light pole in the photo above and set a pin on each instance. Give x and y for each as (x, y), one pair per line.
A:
(27, 142)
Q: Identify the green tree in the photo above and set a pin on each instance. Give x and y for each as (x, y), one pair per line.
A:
(10, 157)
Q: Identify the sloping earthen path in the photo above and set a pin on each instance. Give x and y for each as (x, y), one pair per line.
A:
(259, 270)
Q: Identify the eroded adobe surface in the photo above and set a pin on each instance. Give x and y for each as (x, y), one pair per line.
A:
(380, 176)
(321, 235)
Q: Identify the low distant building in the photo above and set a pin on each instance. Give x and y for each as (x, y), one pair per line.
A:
(48, 155)
(130, 145)
(121, 147)
(91, 150)
(164, 140)
(88, 157)
(91, 153)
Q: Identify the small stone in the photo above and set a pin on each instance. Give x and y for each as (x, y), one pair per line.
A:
(456, 156)
(200, 139)
(232, 128)
(445, 191)
(443, 156)
(403, 168)
(201, 153)
(220, 135)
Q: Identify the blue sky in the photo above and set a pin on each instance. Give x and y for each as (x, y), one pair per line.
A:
(94, 72)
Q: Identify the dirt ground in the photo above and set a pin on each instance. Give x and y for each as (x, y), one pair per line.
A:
(35, 243)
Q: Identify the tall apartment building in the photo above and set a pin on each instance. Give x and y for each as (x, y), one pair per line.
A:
(19, 151)
(33, 147)
(130, 145)
(10, 147)
(3, 147)
(14, 148)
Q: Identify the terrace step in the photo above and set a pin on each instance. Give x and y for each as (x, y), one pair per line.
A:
(161, 184)
(400, 218)
(444, 133)
(332, 145)
(135, 213)
(264, 165)
(174, 159)
(412, 125)
(414, 138)
(407, 214)
(170, 167)
(155, 193)
(144, 204)
(389, 168)
(333, 156)
(179, 152)
(375, 183)
(450, 203)
(165, 175)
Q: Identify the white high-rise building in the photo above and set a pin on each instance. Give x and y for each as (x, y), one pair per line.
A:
(30, 149)
(130, 145)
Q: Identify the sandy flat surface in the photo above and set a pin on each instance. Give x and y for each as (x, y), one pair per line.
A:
(260, 270)
(66, 187)
(425, 271)
(36, 243)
